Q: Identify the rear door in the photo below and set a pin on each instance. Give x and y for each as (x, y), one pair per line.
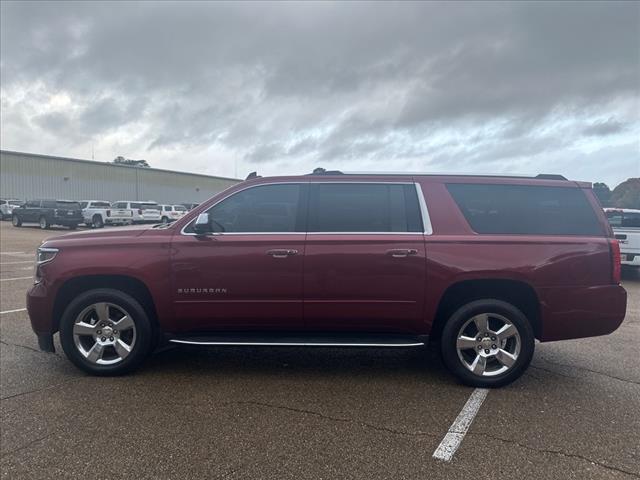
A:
(365, 257)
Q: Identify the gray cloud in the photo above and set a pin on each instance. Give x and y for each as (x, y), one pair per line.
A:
(607, 127)
(351, 85)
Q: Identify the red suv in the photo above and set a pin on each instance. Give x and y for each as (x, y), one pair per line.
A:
(483, 265)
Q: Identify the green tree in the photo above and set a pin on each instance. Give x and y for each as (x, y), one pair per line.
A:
(603, 193)
(627, 194)
(128, 161)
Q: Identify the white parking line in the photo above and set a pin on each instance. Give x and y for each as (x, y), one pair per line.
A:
(13, 311)
(15, 278)
(460, 426)
(15, 263)
(15, 253)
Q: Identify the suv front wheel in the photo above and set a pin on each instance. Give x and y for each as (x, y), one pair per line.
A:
(105, 332)
(487, 343)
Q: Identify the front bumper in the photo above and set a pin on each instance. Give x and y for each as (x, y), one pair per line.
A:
(45, 342)
(40, 310)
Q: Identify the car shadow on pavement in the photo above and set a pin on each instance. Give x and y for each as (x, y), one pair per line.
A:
(419, 362)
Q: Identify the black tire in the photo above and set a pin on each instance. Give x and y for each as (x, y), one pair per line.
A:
(73, 226)
(97, 221)
(144, 331)
(456, 322)
(15, 221)
(44, 223)
(164, 220)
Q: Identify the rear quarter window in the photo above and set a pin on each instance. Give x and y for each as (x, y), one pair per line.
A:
(526, 209)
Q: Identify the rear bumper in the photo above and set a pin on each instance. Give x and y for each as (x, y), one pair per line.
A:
(110, 220)
(630, 258)
(66, 221)
(577, 312)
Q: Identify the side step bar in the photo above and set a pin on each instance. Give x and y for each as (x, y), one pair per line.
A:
(310, 340)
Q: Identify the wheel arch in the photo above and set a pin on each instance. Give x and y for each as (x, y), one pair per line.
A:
(517, 292)
(127, 284)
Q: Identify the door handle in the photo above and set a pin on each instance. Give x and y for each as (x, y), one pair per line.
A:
(402, 252)
(282, 252)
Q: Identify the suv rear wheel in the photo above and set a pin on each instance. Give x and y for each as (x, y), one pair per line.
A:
(105, 332)
(97, 221)
(44, 223)
(487, 343)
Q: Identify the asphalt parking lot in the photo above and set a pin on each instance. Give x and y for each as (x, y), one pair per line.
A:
(309, 413)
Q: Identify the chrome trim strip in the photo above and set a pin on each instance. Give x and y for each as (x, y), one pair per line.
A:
(299, 344)
(365, 233)
(426, 220)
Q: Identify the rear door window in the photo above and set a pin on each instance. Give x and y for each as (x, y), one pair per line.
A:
(525, 209)
(364, 207)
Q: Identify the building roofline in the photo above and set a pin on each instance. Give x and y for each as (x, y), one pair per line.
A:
(94, 162)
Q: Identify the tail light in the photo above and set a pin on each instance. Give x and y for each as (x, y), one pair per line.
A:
(615, 260)
(108, 213)
(139, 211)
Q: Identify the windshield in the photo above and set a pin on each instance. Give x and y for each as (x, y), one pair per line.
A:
(618, 218)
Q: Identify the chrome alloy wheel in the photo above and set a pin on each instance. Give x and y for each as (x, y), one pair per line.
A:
(488, 344)
(104, 333)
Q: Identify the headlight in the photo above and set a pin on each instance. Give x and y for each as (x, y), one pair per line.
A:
(45, 255)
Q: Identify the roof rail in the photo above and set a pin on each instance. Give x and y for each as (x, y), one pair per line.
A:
(550, 176)
(322, 171)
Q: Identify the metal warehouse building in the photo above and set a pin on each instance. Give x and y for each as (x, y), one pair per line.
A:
(29, 176)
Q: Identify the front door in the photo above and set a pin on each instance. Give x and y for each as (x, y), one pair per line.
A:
(248, 274)
(365, 258)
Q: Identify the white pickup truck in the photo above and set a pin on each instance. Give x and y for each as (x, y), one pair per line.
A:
(142, 211)
(98, 213)
(626, 227)
(171, 213)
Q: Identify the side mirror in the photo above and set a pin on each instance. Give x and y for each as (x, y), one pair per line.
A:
(202, 225)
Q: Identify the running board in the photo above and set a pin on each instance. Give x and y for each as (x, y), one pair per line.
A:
(311, 340)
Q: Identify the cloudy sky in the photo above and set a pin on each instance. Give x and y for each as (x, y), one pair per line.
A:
(282, 88)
